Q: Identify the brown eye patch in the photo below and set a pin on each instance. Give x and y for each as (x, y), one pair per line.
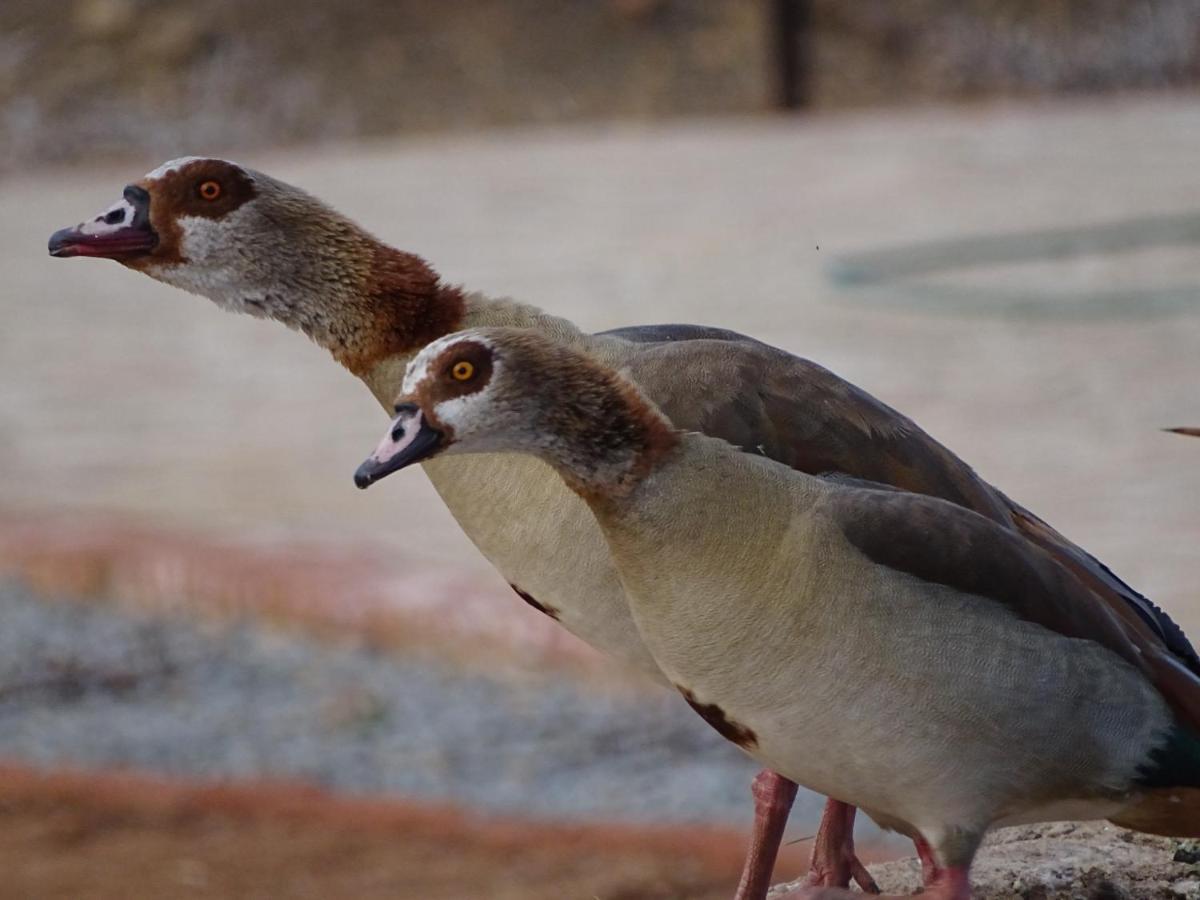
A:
(465, 368)
(208, 188)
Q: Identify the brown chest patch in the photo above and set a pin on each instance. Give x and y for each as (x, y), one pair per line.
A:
(406, 307)
(540, 607)
(741, 735)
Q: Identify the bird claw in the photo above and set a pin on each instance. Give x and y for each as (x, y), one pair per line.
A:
(839, 873)
(834, 863)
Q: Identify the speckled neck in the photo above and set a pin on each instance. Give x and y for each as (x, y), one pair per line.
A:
(583, 418)
(399, 306)
(604, 457)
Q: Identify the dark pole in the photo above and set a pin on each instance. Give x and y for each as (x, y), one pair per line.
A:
(791, 26)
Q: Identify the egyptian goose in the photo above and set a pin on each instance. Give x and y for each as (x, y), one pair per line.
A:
(256, 245)
(893, 650)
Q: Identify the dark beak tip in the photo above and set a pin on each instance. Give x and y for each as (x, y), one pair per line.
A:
(57, 244)
(364, 477)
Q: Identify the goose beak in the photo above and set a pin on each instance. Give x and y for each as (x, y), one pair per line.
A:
(120, 232)
(1191, 432)
(408, 441)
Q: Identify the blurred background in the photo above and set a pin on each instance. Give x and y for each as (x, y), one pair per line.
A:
(224, 672)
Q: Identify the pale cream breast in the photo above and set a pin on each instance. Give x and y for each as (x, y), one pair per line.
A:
(912, 700)
(517, 511)
(545, 542)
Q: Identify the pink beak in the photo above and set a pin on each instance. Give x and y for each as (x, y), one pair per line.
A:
(121, 231)
(408, 441)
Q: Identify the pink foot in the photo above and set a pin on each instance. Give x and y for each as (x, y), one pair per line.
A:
(834, 862)
(773, 796)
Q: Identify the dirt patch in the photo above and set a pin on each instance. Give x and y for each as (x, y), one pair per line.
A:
(121, 836)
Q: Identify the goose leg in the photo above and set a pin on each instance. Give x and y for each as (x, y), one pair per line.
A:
(930, 870)
(773, 796)
(834, 862)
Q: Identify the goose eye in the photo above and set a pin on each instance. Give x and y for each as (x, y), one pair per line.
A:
(209, 190)
(462, 370)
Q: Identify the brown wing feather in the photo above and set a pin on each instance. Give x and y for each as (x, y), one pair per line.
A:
(1137, 611)
(944, 544)
(768, 401)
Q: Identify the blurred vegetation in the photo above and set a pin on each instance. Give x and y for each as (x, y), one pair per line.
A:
(94, 78)
(870, 53)
(105, 76)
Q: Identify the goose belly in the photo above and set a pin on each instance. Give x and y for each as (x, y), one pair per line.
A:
(910, 700)
(544, 541)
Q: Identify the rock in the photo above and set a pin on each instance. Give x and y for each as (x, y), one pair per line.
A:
(1065, 860)
(1188, 852)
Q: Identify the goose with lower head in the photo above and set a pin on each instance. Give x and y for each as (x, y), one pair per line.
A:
(256, 245)
(892, 650)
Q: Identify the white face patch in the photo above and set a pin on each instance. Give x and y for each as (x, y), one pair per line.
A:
(460, 413)
(211, 265)
(119, 215)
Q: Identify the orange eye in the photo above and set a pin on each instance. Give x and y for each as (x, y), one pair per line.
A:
(209, 190)
(462, 370)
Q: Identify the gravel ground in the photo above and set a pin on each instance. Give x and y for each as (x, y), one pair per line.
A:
(1066, 861)
(83, 685)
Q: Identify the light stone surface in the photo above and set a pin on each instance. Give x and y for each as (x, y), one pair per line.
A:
(1065, 861)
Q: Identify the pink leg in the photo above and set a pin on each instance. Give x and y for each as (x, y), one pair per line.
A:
(834, 862)
(951, 883)
(930, 870)
(773, 796)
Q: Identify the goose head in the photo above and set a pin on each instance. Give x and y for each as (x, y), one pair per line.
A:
(257, 245)
(215, 228)
(493, 390)
(194, 222)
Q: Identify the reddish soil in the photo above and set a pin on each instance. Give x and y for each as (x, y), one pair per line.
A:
(71, 835)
